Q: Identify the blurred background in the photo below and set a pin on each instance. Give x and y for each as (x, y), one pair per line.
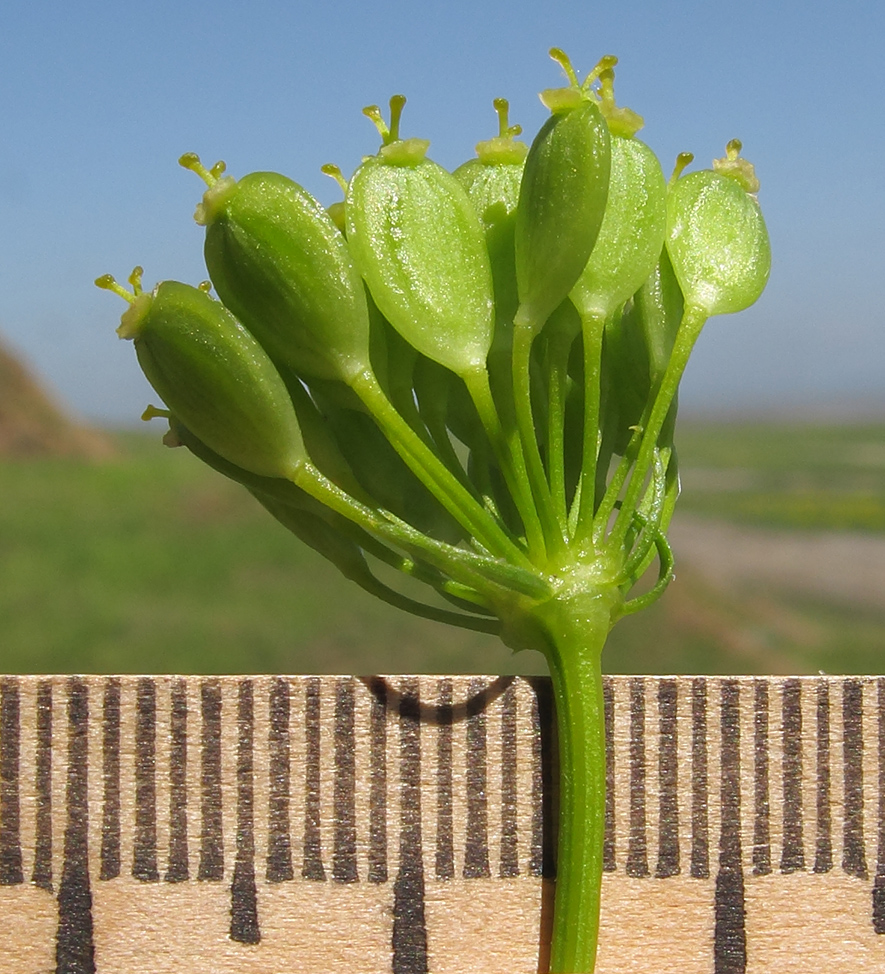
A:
(119, 555)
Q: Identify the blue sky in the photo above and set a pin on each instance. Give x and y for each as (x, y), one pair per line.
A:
(98, 100)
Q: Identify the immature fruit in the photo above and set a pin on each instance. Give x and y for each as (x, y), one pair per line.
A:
(214, 377)
(492, 183)
(717, 240)
(419, 246)
(632, 232)
(561, 202)
(278, 261)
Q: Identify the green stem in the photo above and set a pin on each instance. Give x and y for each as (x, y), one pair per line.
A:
(435, 422)
(510, 459)
(463, 595)
(559, 349)
(690, 327)
(554, 530)
(665, 576)
(616, 484)
(670, 498)
(434, 474)
(479, 471)
(433, 394)
(490, 577)
(649, 515)
(593, 329)
(577, 627)
(386, 594)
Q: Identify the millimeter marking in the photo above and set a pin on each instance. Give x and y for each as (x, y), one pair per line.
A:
(406, 824)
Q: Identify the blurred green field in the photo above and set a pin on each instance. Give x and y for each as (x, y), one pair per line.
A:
(827, 477)
(150, 563)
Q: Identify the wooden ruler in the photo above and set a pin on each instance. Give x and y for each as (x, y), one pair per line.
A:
(279, 825)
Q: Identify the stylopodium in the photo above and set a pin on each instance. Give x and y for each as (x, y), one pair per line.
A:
(470, 378)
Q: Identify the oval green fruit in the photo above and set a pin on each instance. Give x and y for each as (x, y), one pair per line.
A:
(717, 242)
(418, 244)
(561, 205)
(492, 182)
(215, 378)
(632, 232)
(278, 261)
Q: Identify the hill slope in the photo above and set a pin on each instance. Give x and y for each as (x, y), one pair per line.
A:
(33, 424)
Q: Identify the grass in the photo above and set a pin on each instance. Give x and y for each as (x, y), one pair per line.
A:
(825, 477)
(697, 628)
(149, 562)
(152, 563)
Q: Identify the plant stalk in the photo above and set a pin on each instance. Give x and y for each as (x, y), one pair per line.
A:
(554, 531)
(693, 320)
(593, 330)
(577, 626)
(559, 349)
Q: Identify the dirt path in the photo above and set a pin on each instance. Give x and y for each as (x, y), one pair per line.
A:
(837, 566)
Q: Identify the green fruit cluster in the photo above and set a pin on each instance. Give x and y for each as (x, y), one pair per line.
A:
(479, 367)
(469, 378)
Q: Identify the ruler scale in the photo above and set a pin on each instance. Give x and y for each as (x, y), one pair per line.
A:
(879, 885)
(406, 824)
